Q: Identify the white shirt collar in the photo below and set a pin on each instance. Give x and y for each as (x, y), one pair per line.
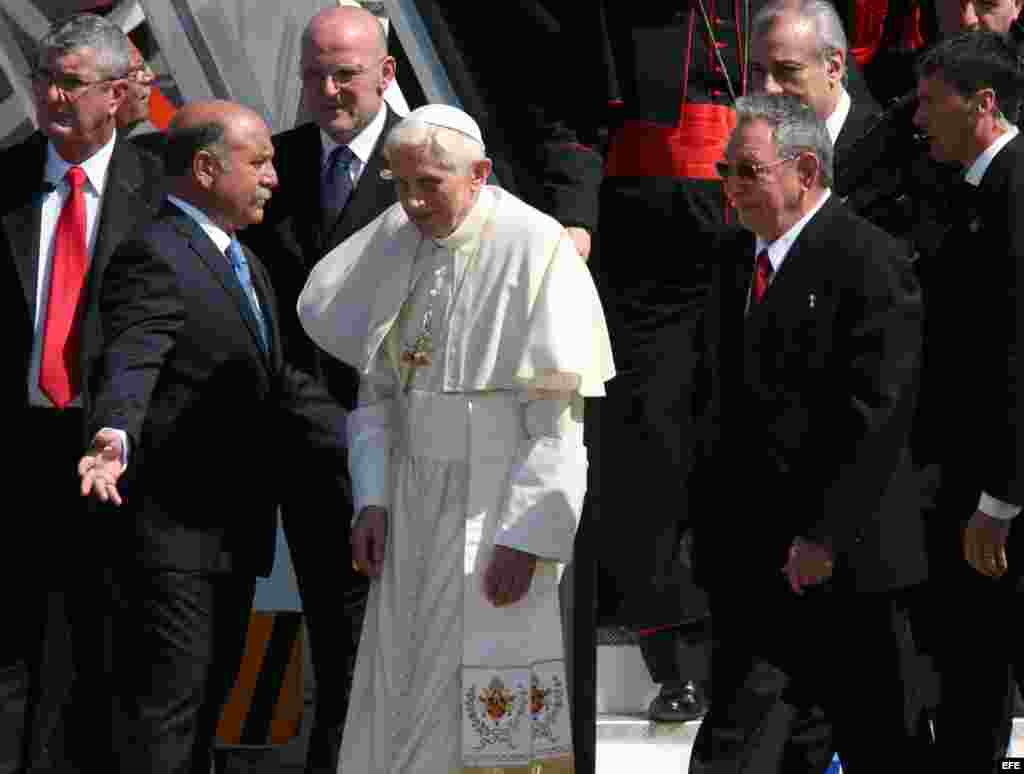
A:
(362, 144)
(834, 123)
(95, 167)
(981, 164)
(220, 237)
(778, 249)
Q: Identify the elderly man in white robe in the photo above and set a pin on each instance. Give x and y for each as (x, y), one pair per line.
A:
(478, 332)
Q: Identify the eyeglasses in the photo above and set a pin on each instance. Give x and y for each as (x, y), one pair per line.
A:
(339, 76)
(749, 171)
(71, 87)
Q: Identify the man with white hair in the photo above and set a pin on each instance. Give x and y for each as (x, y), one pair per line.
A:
(477, 333)
(799, 47)
(812, 339)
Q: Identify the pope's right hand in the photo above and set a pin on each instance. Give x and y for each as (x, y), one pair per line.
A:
(369, 540)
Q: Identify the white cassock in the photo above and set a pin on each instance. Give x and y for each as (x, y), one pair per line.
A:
(479, 443)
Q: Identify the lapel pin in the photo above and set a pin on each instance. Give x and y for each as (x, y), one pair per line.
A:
(811, 299)
(974, 226)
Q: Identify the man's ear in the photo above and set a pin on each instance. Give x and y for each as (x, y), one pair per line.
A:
(808, 168)
(388, 70)
(482, 171)
(205, 168)
(984, 101)
(835, 66)
(118, 94)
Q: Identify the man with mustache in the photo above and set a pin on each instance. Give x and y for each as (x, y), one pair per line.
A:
(329, 187)
(77, 188)
(203, 409)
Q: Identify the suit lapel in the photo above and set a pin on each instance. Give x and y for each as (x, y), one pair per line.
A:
(217, 262)
(123, 204)
(795, 286)
(21, 219)
(307, 190)
(261, 283)
(860, 118)
(124, 208)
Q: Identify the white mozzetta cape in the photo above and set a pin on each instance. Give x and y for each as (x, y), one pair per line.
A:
(354, 295)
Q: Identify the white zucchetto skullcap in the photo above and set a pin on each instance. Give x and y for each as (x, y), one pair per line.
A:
(450, 118)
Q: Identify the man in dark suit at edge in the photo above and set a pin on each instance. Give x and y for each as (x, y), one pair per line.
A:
(969, 418)
(76, 189)
(330, 186)
(192, 373)
(812, 337)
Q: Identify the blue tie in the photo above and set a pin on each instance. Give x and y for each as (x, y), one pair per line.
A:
(337, 183)
(241, 267)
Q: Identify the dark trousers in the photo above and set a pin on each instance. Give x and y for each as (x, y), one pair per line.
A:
(979, 662)
(333, 604)
(178, 640)
(800, 678)
(50, 551)
(676, 654)
(967, 626)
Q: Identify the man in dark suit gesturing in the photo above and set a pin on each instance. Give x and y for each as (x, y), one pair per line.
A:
(74, 190)
(330, 187)
(812, 337)
(970, 417)
(192, 393)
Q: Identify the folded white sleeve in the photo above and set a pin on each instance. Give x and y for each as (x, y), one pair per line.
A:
(369, 454)
(548, 482)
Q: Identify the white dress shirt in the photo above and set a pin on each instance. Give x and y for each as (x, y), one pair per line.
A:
(834, 123)
(778, 249)
(95, 168)
(989, 505)
(361, 146)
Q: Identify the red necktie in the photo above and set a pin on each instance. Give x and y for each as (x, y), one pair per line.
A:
(762, 275)
(59, 377)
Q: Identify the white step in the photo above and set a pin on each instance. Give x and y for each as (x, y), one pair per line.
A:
(632, 743)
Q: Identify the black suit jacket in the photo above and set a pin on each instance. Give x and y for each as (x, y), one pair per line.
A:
(885, 174)
(971, 416)
(130, 200)
(810, 405)
(291, 238)
(211, 417)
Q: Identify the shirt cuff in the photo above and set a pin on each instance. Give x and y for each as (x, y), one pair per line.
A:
(997, 509)
(124, 443)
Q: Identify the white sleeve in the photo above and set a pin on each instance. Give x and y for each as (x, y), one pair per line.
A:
(549, 480)
(369, 444)
(124, 443)
(997, 509)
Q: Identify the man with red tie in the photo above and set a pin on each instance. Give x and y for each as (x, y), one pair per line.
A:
(810, 343)
(74, 190)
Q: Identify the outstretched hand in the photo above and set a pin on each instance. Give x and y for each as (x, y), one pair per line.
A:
(101, 467)
(508, 575)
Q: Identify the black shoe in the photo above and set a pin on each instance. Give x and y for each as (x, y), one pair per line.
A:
(677, 704)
